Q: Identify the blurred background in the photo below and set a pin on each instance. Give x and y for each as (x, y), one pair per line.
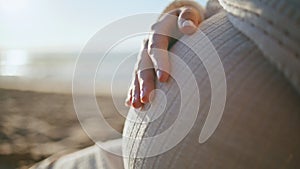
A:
(39, 43)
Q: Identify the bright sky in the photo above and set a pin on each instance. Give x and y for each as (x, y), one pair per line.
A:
(50, 24)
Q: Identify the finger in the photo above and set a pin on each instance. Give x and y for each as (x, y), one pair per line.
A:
(145, 74)
(128, 98)
(136, 101)
(158, 52)
(146, 81)
(139, 63)
(188, 20)
(144, 62)
(159, 42)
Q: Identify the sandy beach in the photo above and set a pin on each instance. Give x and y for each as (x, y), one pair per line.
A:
(36, 125)
(37, 116)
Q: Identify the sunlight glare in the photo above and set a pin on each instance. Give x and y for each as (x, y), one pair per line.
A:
(11, 62)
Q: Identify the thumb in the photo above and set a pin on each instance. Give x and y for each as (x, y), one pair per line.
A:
(188, 20)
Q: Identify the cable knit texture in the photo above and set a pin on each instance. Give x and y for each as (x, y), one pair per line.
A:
(260, 125)
(274, 25)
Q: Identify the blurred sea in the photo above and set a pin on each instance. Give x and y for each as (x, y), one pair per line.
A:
(53, 72)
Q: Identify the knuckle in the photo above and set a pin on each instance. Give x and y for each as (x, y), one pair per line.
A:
(151, 49)
(158, 43)
(154, 26)
(146, 78)
(135, 88)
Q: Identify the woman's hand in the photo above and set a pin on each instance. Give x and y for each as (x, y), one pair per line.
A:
(153, 59)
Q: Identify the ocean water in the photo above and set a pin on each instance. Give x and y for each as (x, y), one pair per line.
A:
(53, 72)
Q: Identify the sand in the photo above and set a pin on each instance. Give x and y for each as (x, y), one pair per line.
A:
(36, 125)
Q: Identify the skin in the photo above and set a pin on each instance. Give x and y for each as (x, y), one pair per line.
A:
(154, 64)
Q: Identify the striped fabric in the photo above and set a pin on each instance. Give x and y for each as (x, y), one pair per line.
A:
(261, 122)
(274, 25)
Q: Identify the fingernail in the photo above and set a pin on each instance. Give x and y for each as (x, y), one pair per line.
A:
(143, 97)
(159, 74)
(127, 103)
(188, 23)
(134, 103)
